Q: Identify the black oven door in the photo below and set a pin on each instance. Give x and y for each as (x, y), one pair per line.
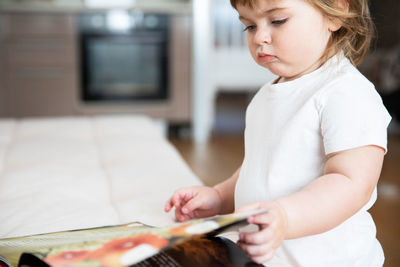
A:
(124, 67)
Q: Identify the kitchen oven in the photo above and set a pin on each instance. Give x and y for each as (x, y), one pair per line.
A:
(124, 56)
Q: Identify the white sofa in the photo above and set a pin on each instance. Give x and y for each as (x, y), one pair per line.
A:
(79, 172)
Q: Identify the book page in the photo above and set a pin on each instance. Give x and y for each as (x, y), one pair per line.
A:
(121, 245)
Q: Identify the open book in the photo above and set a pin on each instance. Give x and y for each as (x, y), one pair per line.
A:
(193, 243)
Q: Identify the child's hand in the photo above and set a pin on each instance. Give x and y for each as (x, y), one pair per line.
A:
(194, 202)
(260, 246)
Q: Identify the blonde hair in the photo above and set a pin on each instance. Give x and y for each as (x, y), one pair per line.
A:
(356, 31)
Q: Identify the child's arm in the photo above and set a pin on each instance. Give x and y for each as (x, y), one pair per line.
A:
(203, 201)
(347, 184)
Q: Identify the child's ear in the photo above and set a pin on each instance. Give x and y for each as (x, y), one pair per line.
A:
(335, 24)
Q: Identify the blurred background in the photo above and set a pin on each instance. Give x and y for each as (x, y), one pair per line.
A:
(183, 63)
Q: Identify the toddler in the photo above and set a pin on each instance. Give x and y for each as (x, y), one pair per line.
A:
(315, 138)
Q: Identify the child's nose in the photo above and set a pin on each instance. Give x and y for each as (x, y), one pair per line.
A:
(262, 37)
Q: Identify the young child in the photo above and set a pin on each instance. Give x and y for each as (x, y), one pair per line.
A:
(315, 138)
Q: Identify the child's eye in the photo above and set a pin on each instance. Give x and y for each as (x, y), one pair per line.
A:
(278, 22)
(249, 28)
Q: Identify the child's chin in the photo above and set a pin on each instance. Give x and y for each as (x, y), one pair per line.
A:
(272, 67)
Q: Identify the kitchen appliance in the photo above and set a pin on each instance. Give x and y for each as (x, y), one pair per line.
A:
(124, 56)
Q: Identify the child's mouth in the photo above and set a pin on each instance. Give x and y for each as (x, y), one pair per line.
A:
(263, 57)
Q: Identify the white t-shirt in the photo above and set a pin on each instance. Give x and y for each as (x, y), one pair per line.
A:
(291, 127)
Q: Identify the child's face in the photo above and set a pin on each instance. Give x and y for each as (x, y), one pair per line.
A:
(288, 37)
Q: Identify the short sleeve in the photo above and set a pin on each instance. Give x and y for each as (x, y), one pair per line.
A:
(352, 115)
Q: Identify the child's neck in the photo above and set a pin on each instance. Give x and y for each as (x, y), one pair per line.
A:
(314, 67)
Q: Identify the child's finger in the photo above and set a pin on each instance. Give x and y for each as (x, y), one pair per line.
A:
(256, 250)
(168, 206)
(191, 206)
(181, 217)
(251, 206)
(264, 258)
(260, 219)
(174, 201)
(256, 238)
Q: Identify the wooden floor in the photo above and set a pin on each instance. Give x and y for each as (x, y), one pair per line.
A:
(222, 155)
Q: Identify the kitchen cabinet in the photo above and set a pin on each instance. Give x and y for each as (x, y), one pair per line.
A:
(39, 64)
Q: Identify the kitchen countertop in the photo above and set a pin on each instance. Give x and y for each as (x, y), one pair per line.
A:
(77, 6)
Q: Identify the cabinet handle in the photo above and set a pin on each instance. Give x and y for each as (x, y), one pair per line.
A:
(40, 73)
(40, 45)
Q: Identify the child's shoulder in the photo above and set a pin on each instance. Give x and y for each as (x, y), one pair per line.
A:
(346, 84)
(345, 72)
(346, 78)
